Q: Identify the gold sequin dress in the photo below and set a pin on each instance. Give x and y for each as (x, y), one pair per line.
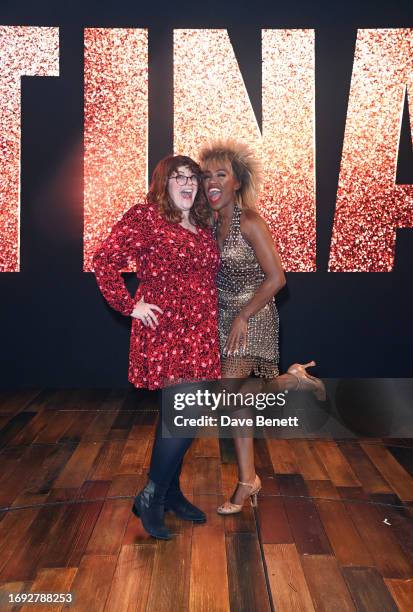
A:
(238, 278)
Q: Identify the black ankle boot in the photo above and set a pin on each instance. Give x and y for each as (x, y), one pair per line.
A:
(177, 502)
(149, 507)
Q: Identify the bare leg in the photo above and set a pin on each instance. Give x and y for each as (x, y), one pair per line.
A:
(244, 446)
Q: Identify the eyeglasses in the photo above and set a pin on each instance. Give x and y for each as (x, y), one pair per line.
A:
(181, 179)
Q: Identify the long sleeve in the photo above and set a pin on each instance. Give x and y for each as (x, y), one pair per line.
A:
(126, 239)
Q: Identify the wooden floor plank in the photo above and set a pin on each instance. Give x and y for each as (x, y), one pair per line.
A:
(369, 476)
(170, 575)
(209, 504)
(347, 544)
(27, 498)
(133, 456)
(328, 505)
(268, 481)
(242, 522)
(124, 421)
(52, 466)
(13, 530)
(10, 457)
(78, 426)
(397, 477)
(32, 429)
(14, 426)
(262, 455)
(336, 465)
(26, 471)
(107, 535)
(208, 570)
(274, 525)
(58, 580)
(131, 581)
(63, 495)
(382, 544)
(107, 462)
(38, 400)
(326, 584)
(23, 564)
(8, 591)
(57, 423)
(244, 561)
(368, 590)
(391, 510)
(206, 447)
(143, 424)
(126, 484)
(69, 538)
(79, 465)
(282, 457)
(207, 475)
(402, 592)
(305, 523)
(92, 583)
(308, 462)
(98, 429)
(322, 489)
(286, 577)
(37, 487)
(229, 478)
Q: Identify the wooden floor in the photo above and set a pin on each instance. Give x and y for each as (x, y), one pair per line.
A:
(333, 529)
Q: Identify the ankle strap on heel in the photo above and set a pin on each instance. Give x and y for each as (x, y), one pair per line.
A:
(248, 484)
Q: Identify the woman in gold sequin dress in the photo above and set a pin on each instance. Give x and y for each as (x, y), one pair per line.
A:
(249, 277)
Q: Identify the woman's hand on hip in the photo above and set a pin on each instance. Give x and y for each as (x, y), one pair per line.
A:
(237, 337)
(146, 313)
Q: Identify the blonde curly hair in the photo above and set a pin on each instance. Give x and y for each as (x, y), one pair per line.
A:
(245, 167)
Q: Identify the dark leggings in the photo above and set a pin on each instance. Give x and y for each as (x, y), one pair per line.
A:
(167, 456)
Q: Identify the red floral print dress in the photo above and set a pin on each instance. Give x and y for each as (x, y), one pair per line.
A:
(176, 269)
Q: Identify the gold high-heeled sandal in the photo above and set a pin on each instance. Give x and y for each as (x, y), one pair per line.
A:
(306, 382)
(230, 508)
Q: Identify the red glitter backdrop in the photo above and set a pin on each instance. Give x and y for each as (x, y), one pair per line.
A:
(23, 51)
(369, 207)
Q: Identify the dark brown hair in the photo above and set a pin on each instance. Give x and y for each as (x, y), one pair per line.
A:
(200, 213)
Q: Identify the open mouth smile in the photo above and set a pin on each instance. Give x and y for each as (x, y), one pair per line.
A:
(187, 194)
(214, 194)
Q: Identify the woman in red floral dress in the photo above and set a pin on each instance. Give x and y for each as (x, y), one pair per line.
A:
(174, 312)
